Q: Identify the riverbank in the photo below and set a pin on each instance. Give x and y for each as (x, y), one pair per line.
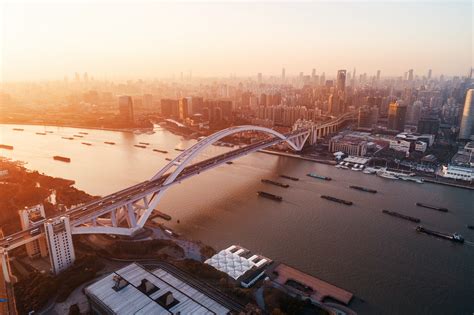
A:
(128, 130)
(297, 156)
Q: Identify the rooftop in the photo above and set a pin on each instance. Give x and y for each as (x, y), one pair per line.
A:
(136, 290)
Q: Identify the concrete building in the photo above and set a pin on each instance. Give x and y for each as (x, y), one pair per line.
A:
(170, 108)
(136, 290)
(349, 145)
(61, 248)
(125, 103)
(466, 130)
(30, 217)
(396, 116)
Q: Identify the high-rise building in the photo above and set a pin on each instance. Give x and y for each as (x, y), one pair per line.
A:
(396, 116)
(341, 80)
(283, 75)
(185, 107)
(410, 75)
(259, 77)
(30, 217)
(170, 108)
(126, 108)
(428, 125)
(378, 75)
(148, 101)
(61, 248)
(466, 130)
(429, 74)
(367, 117)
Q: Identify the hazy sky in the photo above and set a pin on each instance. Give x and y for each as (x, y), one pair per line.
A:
(44, 40)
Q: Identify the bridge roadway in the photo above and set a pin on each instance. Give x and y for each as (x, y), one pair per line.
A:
(93, 209)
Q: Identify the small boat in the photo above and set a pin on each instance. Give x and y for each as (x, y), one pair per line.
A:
(314, 175)
(386, 174)
(178, 149)
(471, 227)
(61, 158)
(229, 162)
(139, 146)
(109, 142)
(168, 159)
(86, 143)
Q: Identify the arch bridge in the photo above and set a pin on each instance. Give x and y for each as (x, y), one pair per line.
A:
(126, 211)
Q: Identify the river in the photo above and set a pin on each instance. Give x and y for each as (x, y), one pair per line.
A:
(389, 267)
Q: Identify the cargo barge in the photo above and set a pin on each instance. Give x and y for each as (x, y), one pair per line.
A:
(86, 143)
(161, 151)
(455, 237)
(109, 142)
(402, 216)
(348, 203)
(78, 136)
(5, 146)
(269, 196)
(314, 175)
(61, 158)
(364, 189)
(290, 177)
(268, 181)
(18, 129)
(144, 143)
(41, 133)
(83, 133)
(168, 159)
(139, 146)
(229, 162)
(181, 150)
(67, 138)
(423, 205)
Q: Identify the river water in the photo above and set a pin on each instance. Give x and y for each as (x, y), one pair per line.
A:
(381, 259)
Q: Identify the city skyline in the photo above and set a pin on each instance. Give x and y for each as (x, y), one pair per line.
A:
(48, 41)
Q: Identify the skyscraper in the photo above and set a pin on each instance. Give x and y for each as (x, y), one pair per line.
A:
(29, 217)
(283, 75)
(466, 130)
(341, 80)
(259, 77)
(410, 75)
(396, 116)
(378, 75)
(61, 248)
(126, 108)
(429, 74)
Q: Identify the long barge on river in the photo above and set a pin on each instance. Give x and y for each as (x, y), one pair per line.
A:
(454, 237)
(6, 146)
(424, 205)
(401, 216)
(269, 196)
(314, 175)
(161, 151)
(373, 191)
(109, 142)
(268, 181)
(62, 158)
(289, 177)
(330, 198)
